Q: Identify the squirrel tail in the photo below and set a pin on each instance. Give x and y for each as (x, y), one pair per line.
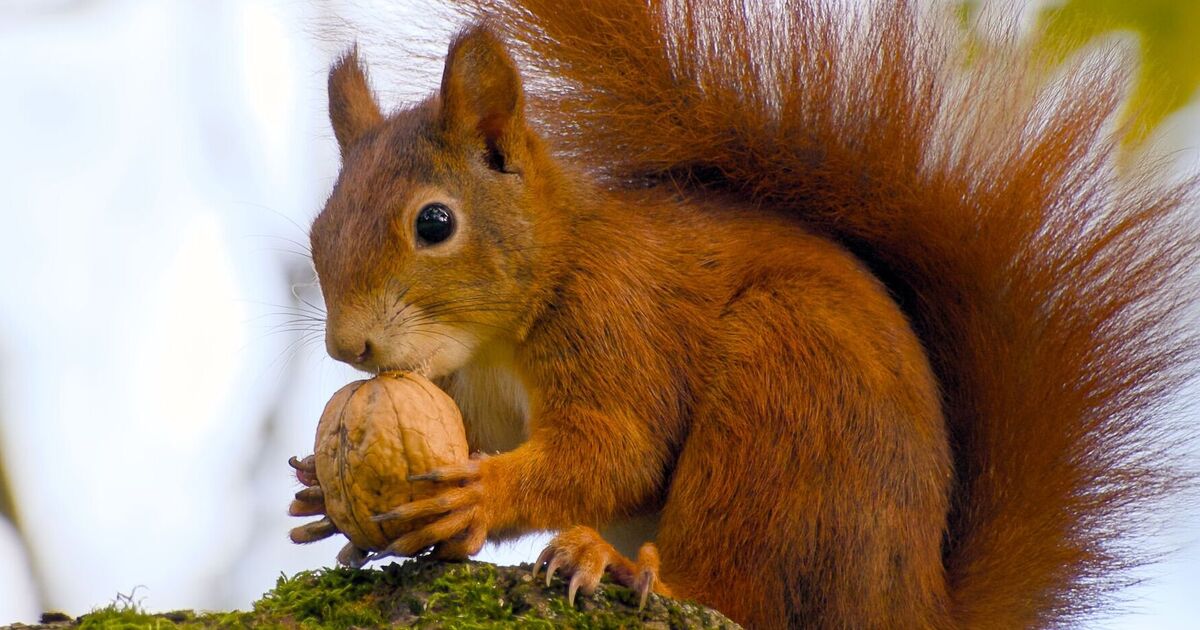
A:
(1046, 281)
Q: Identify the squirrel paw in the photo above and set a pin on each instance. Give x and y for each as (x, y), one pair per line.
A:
(309, 501)
(455, 522)
(584, 555)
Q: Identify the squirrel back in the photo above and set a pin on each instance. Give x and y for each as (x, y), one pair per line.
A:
(1046, 285)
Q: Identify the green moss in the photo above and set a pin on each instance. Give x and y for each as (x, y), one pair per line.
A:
(462, 597)
(123, 619)
(330, 598)
(126, 617)
(423, 594)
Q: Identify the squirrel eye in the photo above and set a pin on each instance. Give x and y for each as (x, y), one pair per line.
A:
(435, 223)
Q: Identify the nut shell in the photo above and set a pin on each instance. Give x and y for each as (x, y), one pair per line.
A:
(372, 435)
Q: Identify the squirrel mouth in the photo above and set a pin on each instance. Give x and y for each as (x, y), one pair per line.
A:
(421, 366)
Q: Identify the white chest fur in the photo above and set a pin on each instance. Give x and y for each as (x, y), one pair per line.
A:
(494, 405)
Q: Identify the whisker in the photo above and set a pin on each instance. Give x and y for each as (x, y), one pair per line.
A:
(466, 300)
(303, 246)
(400, 312)
(401, 295)
(273, 305)
(307, 343)
(450, 306)
(476, 303)
(291, 350)
(472, 309)
(292, 329)
(307, 303)
(460, 314)
(471, 322)
(434, 334)
(302, 230)
(281, 250)
(291, 318)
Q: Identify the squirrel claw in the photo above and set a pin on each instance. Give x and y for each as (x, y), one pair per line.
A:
(550, 569)
(572, 588)
(308, 464)
(542, 559)
(306, 469)
(645, 584)
(585, 581)
(584, 555)
(647, 580)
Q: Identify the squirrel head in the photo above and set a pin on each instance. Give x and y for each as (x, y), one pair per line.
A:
(429, 246)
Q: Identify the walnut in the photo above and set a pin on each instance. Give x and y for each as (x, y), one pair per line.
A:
(372, 436)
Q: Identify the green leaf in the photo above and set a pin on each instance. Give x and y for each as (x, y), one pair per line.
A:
(1168, 33)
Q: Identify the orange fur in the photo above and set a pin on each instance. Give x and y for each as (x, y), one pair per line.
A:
(881, 340)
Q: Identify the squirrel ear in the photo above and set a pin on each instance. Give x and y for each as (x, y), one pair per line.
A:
(481, 95)
(352, 107)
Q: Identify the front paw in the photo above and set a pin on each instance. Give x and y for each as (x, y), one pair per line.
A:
(309, 501)
(454, 519)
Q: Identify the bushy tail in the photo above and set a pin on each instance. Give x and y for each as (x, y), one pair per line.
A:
(1047, 285)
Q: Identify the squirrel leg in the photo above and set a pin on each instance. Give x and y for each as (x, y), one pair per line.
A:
(582, 553)
(811, 491)
(537, 486)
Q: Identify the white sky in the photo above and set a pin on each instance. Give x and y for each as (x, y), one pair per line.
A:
(156, 157)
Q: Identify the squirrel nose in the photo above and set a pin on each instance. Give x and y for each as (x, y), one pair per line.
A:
(353, 349)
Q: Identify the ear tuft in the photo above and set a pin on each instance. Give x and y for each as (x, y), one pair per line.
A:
(352, 108)
(482, 94)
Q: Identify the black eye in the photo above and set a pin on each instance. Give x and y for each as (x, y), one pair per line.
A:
(435, 223)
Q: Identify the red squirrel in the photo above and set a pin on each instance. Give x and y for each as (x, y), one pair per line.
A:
(829, 321)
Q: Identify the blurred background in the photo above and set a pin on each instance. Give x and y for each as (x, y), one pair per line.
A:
(160, 162)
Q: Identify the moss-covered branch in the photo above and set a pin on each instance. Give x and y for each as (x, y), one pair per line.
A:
(422, 594)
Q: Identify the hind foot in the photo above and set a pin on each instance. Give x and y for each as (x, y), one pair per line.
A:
(584, 555)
